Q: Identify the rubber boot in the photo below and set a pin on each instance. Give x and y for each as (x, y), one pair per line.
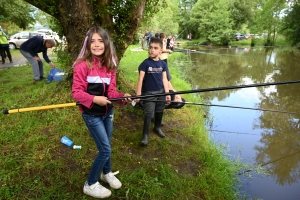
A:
(146, 129)
(162, 123)
(157, 124)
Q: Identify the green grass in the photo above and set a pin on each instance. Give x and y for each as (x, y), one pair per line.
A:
(259, 42)
(35, 165)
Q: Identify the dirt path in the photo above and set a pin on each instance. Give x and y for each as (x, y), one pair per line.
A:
(19, 60)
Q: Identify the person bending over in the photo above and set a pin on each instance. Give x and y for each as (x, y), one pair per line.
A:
(30, 50)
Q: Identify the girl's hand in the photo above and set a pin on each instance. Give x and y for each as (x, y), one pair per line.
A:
(127, 99)
(101, 100)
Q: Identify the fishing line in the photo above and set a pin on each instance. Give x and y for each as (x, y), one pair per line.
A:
(239, 107)
(272, 161)
(231, 132)
(213, 54)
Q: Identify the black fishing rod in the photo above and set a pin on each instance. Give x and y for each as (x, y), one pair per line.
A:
(203, 104)
(205, 90)
(142, 97)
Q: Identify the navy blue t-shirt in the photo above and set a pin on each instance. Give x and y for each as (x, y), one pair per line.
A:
(153, 79)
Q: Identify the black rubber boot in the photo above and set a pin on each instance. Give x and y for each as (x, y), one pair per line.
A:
(162, 123)
(157, 124)
(146, 129)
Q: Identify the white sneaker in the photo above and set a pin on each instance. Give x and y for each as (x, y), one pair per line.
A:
(111, 180)
(96, 190)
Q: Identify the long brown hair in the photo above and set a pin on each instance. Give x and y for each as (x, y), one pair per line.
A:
(109, 56)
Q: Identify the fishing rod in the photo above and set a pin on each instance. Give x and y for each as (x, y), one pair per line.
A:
(181, 32)
(39, 108)
(203, 104)
(205, 90)
(152, 95)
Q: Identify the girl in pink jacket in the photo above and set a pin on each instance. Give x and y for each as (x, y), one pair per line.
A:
(94, 83)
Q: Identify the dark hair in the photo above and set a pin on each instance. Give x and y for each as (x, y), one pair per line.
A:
(109, 56)
(157, 41)
(162, 36)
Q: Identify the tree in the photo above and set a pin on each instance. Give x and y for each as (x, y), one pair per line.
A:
(164, 20)
(17, 12)
(268, 18)
(217, 21)
(120, 18)
(291, 25)
(184, 17)
(213, 21)
(241, 11)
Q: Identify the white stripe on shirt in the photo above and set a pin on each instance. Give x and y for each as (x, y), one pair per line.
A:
(97, 79)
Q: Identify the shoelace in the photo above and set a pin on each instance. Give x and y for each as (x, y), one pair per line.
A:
(114, 173)
(111, 175)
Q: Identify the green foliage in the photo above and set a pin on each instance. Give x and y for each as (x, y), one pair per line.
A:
(291, 25)
(183, 18)
(267, 19)
(17, 12)
(213, 21)
(63, 58)
(163, 18)
(241, 11)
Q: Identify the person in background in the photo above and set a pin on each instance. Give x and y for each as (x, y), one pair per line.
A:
(94, 82)
(142, 40)
(157, 34)
(172, 43)
(30, 50)
(146, 37)
(189, 37)
(168, 41)
(153, 80)
(150, 35)
(4, 47)
(165, 52)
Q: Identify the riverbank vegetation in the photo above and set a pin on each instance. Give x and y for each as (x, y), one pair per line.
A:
(34, 164)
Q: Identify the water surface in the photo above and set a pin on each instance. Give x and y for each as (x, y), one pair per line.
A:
(258, 138)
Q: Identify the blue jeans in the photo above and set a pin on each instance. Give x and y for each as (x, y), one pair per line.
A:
(100, 128)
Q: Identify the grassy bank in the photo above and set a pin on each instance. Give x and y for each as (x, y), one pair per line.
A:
(257, 42)
(35, 165)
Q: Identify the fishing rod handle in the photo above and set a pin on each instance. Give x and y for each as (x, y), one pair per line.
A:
(141, 96)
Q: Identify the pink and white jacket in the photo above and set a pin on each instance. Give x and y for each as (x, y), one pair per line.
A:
(88, 83)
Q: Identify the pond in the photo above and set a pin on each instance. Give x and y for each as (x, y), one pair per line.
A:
(262, 139)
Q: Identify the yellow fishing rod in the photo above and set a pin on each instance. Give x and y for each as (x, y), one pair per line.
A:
(39, 108)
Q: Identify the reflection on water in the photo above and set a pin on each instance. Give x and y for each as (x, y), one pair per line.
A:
(256, 137)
